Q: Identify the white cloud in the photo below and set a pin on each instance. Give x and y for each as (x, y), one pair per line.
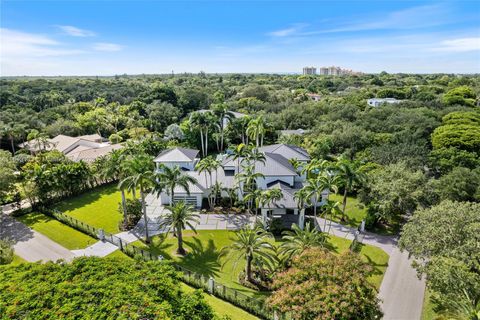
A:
(16, 44)
(459, 45)
(105, 46)
(76, 32)
(294, 29)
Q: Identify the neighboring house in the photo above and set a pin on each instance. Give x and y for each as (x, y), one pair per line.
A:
(298, 132)
(86, 148)
(277, 170)
(314, 96)
(236, 115)
(376, 102)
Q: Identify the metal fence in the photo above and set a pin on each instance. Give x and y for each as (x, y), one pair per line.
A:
(252, 305)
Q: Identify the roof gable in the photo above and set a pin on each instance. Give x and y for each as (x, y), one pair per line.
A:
(177, 154)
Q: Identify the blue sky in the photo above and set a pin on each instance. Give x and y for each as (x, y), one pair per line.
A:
(116, 37)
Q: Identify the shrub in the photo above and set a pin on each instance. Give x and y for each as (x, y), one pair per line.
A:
(6, 252)
(96, 288)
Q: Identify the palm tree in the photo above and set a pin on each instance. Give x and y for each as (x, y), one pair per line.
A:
(111, 169)
(239, 153)
(303, 198)
(170, 178)
(199, 121)
(330, 208)
(140, 176)
(350, 174)
(314, 188)
(467, 307)
(254, 196)
(254, 156)
(223, 114)
(248, 177)
(295, 242)
(272, 195)
(250, 244)
(178, 217)
(256, 130)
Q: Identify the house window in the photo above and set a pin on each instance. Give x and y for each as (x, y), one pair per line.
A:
(229, 173)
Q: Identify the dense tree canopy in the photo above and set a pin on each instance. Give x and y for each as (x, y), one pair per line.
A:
(321, 285)
(445, 239)
(101, 288)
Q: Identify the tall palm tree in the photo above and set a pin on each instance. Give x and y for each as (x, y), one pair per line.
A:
(250, 244)
(254, 156)
(170, 178)
(178, 217)
(314, 188)
(350, 174)
(199, 120)
(254, 196)
(331, 208)
(140, 176)
(303, 198)
(223, 114)
(248, 178)
(296, 241)
(239, 153)
(271, 196)
(256, 130)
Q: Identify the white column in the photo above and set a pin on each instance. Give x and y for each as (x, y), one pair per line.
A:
(301, 219)
(264, 215)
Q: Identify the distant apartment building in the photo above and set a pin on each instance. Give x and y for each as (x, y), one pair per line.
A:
(309, 70)
(335, 71)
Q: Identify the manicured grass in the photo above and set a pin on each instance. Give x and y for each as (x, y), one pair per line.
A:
(223, 308)
(118, 254)
(18, 260)
(376, 257)
(355, 211)
(204, 256)
(97, 207)
(428, 305)
(57, 231)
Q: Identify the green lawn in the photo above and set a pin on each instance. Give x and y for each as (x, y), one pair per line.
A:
(428, 305)
(97, 207)
(57, 231)
(18, 260)
(355, 211)
(203, 256)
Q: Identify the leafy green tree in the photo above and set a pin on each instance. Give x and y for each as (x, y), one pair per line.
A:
(179, 216)
(462, 95)
(321, 285)
(7, 174)
(394, 190)
(444, 240)
(249, 244)
(460, 184)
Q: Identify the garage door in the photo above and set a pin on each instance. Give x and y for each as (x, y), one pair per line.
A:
(188, 199)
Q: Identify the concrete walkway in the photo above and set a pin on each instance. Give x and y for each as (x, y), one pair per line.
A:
(31, 245)
(104, 248)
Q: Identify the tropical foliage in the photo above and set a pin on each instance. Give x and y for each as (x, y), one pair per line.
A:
(101, 288)
(321, 285)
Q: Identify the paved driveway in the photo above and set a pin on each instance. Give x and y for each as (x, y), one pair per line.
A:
(31, 245)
